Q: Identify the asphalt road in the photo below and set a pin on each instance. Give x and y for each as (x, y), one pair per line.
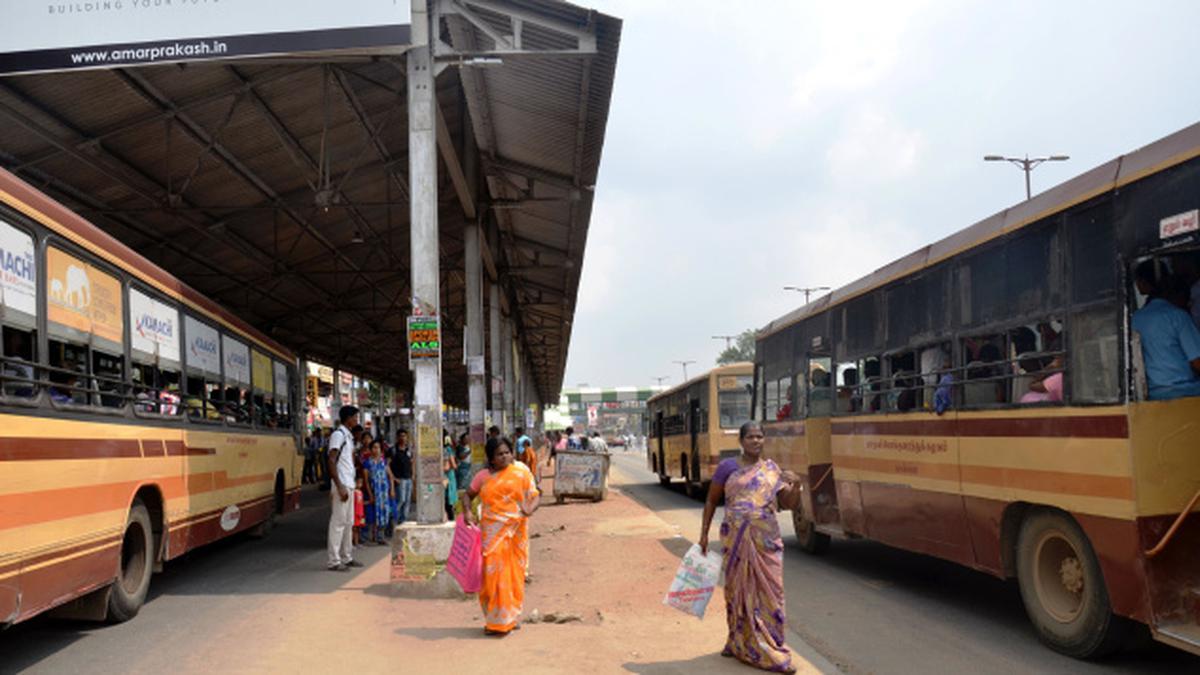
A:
(190, 604)
(869, 608)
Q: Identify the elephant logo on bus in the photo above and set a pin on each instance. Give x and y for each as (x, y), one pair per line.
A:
(78, 290)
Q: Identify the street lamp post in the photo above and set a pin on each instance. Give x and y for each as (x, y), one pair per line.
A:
(806, 290)
(1027, 165)
(659, 380)
(685, 365)
(727, 338)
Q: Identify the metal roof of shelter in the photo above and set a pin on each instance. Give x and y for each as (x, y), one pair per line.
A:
(278, 187)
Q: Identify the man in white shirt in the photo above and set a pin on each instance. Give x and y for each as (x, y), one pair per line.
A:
(341, 498)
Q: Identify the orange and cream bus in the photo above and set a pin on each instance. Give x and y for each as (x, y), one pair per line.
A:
(693, 426)
(984, 400)
(138, 420)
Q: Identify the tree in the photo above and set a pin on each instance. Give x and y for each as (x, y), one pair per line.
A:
(742, 349)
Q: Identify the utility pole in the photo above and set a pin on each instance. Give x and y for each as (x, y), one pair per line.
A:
(727, 338)
(685, 365)
(806, 290)
(659, 380)
(1027, 165)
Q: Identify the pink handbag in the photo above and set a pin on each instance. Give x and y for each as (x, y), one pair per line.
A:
(466, 557)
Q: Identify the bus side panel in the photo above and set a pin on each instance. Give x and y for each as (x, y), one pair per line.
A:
(907, 472)
(1115, 542)
(230, 485)
(1166, 457)
(75, 572)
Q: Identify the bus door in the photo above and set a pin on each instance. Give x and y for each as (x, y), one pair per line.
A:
(694, 430)
(662, 445)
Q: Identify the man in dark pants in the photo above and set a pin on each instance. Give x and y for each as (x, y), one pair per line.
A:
(402, 472)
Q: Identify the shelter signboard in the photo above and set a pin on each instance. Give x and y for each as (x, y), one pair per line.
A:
(53, 35)
(424, 338)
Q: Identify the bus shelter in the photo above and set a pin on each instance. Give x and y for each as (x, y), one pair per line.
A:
(329, 182)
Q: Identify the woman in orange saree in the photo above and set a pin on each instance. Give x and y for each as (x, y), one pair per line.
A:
(508, 497)
(753, 488)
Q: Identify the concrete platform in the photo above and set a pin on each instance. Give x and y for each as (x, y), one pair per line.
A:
(418, 564)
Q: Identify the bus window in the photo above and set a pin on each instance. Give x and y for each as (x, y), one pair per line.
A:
(86, 322)
(902, 392)
(283, 394)
(799, 396)
(872, 384)
(760, 395)
(733, 400)
(936, 373)
(18, 300)
(820, 386)
(68, 373)
(1095, 369)
(1035, 363)
(202, 361)
(985, 370)
(783, 408)
(154, 351)
(849, 399)
(19, 358)
(236, 401)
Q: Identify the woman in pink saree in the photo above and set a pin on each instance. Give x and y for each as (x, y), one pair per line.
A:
(753, 489)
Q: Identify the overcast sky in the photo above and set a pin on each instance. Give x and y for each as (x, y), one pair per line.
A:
(808, 143)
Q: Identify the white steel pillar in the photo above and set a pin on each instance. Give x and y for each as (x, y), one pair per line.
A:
(422, 179)
(506, 333)
(496, 363)
(476, 370)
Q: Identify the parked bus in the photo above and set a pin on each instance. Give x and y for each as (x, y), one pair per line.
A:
(139, 419)
(694, 426)
(983, 400)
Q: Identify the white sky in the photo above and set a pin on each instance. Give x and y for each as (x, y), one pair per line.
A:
(808, 143)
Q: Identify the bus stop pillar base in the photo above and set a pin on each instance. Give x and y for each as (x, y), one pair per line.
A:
(419, 554)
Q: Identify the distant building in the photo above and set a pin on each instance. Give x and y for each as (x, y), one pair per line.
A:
(613, 412)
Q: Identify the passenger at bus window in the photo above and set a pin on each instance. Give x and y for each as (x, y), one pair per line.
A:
(1170, 340)
(987, 365)
(1048, 388)
(785, 411)
(1188, 268)
(17, 348)
(63, 389)
(169, 400)
(849, 398)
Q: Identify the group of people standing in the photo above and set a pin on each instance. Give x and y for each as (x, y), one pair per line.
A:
(370, 487)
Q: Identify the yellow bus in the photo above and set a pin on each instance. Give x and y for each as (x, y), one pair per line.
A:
(139, 419)
(693, 426)
(984, 400)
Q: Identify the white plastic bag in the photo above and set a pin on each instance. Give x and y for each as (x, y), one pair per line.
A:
(694, 581)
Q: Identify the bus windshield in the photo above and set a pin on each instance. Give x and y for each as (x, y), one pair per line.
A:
(733, 399)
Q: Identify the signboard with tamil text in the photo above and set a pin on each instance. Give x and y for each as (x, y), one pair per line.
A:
(424, 338)
(52, 35)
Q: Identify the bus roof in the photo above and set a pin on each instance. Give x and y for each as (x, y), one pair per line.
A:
(739, 368)
(1165, 152)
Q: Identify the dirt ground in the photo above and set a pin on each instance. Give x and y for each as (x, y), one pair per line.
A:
(609, 563)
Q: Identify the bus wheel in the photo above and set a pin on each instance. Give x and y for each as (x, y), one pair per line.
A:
(137, 560)
(664, 480)
(1063, 589)
(692, 489)
(807, 536)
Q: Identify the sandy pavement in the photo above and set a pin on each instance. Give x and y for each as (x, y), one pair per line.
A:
(608, 562)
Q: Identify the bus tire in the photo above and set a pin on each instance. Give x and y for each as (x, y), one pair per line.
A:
(129, 589)
(692, 489)
(1063, 588)
(664, 480)
(807, 537)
